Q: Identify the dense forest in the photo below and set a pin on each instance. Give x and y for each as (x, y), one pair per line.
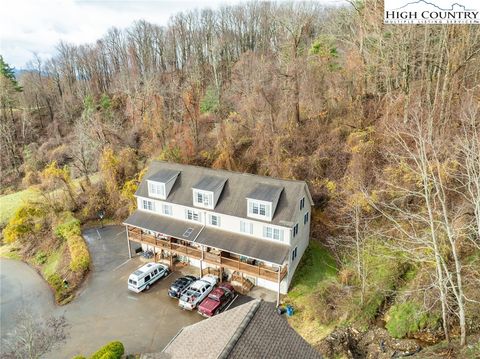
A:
(382, 121)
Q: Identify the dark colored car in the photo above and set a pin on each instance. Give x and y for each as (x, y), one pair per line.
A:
(179, 285)
(217, 300)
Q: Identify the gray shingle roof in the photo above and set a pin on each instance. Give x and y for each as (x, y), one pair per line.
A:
(266, 192)
(210, 183)
(162, 224)
(252, 330)
(163, 175)
(238, 186)
(244, 245)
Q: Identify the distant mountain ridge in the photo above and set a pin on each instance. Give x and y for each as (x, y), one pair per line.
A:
(434, 5)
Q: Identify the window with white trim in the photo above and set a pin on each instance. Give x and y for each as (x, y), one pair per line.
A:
(273, 233)
(306, 217)
(167, 209)
(192, 215)
(294, 254)
(148, 205)
(302, 203)
(156, 189)
(246, 227)
(203, 199)
(214, 220)
(295, 230)
(259, 209)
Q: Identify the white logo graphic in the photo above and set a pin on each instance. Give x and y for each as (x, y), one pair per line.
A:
(432, 12)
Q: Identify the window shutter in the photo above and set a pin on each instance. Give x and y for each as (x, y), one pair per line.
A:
(250, 207)
(265, 231)
(281, 235)
(267, 210)
(242, 226)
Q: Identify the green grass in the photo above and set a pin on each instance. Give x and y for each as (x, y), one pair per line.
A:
(51, 264)
(316, 270)
(9, 251)
(316, 266)
(10, 202)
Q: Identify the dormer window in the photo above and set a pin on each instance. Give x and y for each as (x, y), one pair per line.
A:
(263, 200)
(206, 192)
(160, 183)
(257, 208)
(156, 189)
(203, 199)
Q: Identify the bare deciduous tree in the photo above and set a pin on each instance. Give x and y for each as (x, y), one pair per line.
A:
(34, 337)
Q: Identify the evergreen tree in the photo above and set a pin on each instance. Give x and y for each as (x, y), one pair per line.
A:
(9, 73)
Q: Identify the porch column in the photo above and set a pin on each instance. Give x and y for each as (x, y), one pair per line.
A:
(278, 292)
(128, 244)
(201, 262)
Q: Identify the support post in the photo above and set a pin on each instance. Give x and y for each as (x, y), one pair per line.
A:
(201, 261)
(128, 244)
(278, 292)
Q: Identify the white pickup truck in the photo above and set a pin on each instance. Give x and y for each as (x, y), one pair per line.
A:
(197, 291)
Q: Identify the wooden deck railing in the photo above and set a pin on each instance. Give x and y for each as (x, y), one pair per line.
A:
(256, 270)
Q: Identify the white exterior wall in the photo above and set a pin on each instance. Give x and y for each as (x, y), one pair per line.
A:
(227, 223)
(273, 286)
(301, 240)
(232, 224)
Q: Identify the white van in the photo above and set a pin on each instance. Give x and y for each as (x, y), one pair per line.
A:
(146, 275)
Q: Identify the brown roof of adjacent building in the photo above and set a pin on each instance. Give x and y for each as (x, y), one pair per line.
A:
(237, 188)
(252, 330)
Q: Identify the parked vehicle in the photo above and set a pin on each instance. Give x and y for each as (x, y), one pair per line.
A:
(217, 300)
(146, 275)
(177, 287)
(197, 291)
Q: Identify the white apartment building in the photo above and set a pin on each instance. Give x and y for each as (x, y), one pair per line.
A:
(241, 223)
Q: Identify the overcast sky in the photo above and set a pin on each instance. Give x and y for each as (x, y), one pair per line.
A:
(29, 26)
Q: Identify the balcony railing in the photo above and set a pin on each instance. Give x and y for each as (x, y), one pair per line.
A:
(256, 270)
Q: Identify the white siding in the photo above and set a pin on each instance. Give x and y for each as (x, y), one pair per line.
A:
(301, 240)
(227, 223)
(232, 224)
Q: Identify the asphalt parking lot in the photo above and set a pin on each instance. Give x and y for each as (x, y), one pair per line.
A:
(104, 309)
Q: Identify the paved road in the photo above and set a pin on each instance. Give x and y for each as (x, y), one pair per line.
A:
(104, 310)
(21, 288)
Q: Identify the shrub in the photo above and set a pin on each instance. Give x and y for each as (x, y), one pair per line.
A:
(109, 355)
(26, 220)
(57, 284)
(408, 318)
(31, 178)
(69, 227)
(79, 357)
(113, 350)
(79, 254)
(70, 231)
(210, 102)
(41, 257)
